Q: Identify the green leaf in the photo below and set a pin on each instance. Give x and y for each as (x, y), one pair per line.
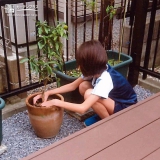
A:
(24, 60)
(55, 38)
(40, 31)
(46, 30)
(58, 82)
(57, 46)
(40, 45)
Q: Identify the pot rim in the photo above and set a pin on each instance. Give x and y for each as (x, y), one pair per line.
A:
(37, 93)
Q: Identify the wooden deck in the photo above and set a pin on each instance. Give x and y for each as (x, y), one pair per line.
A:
(131, 134)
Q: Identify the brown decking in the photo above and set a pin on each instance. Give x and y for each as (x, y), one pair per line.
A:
(131, 134)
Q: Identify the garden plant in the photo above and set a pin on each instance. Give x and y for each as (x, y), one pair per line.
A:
(46, 121)
(50, 51)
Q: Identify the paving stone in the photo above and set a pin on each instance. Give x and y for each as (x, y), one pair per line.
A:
(13, 100)
(81, 117)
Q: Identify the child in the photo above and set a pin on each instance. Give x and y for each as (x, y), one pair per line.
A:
(104, 89)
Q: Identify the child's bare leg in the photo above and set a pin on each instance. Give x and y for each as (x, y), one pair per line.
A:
(84, 86)
(103, 107)
(100, 110)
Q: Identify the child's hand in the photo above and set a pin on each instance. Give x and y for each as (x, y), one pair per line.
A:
(47, 104)
(36, 98)
(40, 96)
(53, 102)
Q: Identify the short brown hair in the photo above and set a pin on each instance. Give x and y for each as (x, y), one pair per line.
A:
(91, 58)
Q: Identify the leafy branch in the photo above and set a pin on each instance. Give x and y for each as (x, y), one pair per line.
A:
(50, 47)
(111, 11)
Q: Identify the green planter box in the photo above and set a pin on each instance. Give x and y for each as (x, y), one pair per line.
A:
(74, 96)
(2, 105)
(123, 66)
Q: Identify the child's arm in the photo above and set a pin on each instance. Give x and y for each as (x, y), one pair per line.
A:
(63, 89)
(66, 88)
(80, 108)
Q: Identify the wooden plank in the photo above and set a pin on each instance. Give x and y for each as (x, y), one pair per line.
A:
(135, 146)
(103, 134)
(155, 155)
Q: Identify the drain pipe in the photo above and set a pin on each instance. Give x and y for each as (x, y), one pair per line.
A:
(6, 32)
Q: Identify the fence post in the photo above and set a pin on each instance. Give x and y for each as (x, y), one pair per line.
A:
(137, 40)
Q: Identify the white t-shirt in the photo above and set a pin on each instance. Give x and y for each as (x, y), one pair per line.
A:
(102, 85)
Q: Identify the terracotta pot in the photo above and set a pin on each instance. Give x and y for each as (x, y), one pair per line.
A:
(46, 121)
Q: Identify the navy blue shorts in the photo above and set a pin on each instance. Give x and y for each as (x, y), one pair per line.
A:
(119, 106)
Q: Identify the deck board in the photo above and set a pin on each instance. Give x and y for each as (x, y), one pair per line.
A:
(154, 155)
(129, 149)
(121, 131)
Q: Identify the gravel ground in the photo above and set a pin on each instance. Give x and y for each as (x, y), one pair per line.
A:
(19, 137)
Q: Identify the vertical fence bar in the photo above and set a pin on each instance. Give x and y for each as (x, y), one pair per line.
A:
(132, 14)
(101, 35)
(156, 47)
(36, 12)
(47, 11)
(93, 22)
(57, 10)
(105, 35)
(5, 51)
(75, 27)
(67, 7)
(84, 20)
(149, 39)
(27, 41)
(16, 46)
(128, 6)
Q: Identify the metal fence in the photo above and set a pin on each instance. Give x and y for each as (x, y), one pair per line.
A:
(18, 36)
(144, 33)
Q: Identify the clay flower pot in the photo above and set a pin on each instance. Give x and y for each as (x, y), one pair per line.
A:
(46, 121)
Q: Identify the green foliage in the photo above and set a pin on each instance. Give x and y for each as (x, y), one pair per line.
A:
(50, 47)
(90, 4)
(110, 12)
(113, 62)
(74, 72)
